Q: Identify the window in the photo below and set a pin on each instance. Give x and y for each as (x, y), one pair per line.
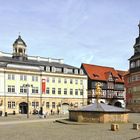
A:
(34, 89)
(48, 69)
(48, 90)
(76, 91)
(53, 90)
(81, 82)
(11, 77)
(119, 86)
(11, 89)
(81, 71)
(71, 91)
(58, 69)
(76, 104)
(48, 79)
(69, 70)
(65, 81)
(76, 71)
(53, 104)
(11, 104)
(110, 85)
(71, 81)
(132, 65)
(53, 80)
(65, 70)
(35, 104)
(81, 91)
(134, 78)
(59, 80)
(23, 89)
(35, 78)
(53, 69)
(138, 77)
(59, 90)
(137, 63)
(47, 105)
(23, 77)
(65, 91)
(76, 81)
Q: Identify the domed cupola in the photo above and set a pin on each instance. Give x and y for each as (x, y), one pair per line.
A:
(19, 49)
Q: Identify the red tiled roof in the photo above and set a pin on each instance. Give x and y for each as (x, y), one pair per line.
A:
(101, 73)
(122, 73)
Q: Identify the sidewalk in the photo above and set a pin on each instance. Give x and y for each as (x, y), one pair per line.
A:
(18, 119)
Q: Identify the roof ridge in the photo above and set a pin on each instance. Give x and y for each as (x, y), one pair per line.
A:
(99, 66)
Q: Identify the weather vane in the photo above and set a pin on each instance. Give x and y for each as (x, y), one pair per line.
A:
(19, 33)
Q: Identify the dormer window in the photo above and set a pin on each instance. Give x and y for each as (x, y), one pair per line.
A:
(116, 78)
(69, 70)
(76, 71)
(58, 69)
(53, 69)
(65, 70)
(48, 69)
(96, 75)
(110, 78)
(81, 71)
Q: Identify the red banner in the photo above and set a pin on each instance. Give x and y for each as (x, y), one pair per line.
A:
(43, 86)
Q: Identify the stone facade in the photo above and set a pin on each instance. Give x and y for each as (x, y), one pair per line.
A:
(28, 83)
(132, 78)
(98, 117)
(59, 103)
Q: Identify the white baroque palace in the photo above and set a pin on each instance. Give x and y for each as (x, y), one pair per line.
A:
(28, 83)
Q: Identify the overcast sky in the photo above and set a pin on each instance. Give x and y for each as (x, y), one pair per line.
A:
(100, 32)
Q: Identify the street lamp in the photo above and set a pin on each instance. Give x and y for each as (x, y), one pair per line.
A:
(27, 88)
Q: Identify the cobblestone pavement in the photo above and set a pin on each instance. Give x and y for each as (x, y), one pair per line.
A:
(56, 131)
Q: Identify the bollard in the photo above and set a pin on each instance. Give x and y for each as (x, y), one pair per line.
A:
(114, 127)
(5, 114)
(136, 126)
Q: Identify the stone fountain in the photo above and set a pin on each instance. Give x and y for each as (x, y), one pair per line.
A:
(99, 112)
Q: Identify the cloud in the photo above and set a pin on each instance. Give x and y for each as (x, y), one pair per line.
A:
(88, 58)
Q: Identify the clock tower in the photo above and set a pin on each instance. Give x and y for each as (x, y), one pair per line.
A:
(132, 78)
(19, 49)
(135, 59)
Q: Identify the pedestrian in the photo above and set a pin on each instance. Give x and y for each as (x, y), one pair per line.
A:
(58, 111)
(41, 112)
(51, 111)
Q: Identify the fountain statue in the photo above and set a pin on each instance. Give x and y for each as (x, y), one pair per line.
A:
(98, 112)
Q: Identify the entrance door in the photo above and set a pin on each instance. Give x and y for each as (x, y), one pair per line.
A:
(65, 108)
(23, 107)
(118, 104)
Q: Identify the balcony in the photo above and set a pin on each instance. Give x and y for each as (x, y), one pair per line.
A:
(107, 96)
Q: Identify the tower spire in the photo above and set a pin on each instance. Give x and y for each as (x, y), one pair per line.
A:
(19, 34)
(139, 27)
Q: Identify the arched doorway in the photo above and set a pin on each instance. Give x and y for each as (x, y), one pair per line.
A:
(118, 104)
(65, 108)
(102, 102)
(23, 108)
